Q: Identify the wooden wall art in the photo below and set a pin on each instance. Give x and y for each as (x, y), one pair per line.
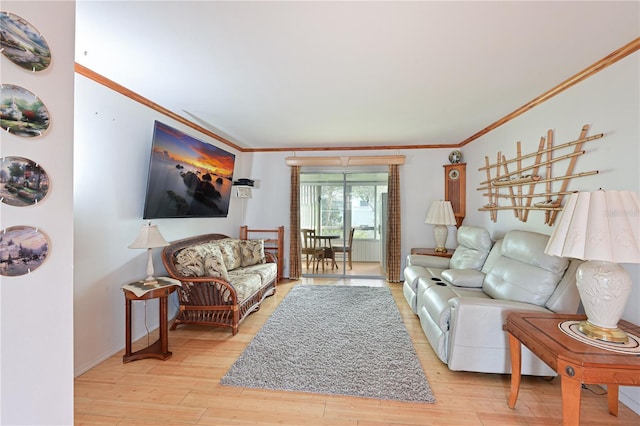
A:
(516, 186)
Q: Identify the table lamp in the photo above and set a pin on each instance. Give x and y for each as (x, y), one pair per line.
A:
(149, 238)
(603, 228)
(441, 215)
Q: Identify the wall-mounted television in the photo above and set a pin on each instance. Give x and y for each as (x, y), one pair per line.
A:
(187, 177)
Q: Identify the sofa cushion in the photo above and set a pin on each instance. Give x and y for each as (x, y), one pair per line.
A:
(252, 252)
(230, 249)
(201, 260)
(413, 273)
(189, 262)
(267, 271)
(245, 283)
(529, 247)
(464, 277)
(214, 264)
(436, 305)
(523, 272)
(474, 244)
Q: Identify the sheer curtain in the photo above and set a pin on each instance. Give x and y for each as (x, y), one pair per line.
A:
(393, 225)
(295, 262)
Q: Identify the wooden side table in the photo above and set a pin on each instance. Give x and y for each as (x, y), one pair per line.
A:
(431, 252)
(138, 290)
(576, 362)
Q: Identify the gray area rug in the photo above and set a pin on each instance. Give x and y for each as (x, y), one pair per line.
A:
(338, 340)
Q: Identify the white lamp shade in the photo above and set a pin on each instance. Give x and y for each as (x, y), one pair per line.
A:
(148, 237)
(599, 225)
(440, 213)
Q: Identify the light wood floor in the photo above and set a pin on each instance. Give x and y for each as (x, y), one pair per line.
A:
(367, 269)
(185, 388)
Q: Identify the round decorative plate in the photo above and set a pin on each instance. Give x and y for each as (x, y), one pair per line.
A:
(22, 250)
(23, 113)
(22, 44)
(22, 182)
(455, 157)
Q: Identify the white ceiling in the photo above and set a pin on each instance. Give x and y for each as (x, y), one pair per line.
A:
(337, 74)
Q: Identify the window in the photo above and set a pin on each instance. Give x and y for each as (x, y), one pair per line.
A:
(333, 202)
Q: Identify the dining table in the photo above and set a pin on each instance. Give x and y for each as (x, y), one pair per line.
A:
(324, 242)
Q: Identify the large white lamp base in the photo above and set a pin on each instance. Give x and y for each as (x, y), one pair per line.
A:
(440, 236)
(604, 288)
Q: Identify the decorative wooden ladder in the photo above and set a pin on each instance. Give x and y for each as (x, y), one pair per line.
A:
(273, 242)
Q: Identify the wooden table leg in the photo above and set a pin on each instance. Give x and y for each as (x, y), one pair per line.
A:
(571, 389)
(164, 335)
(516, 357)
(612, 397)
(127, 327)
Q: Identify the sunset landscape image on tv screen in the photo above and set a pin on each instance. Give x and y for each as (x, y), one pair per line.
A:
(187, 177)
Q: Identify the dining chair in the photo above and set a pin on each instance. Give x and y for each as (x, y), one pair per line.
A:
(346, 248)
(309, 248)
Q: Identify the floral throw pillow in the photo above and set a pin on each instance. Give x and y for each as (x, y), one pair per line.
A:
(252, 252)
(214, 264)
(230, 249)
(189, 262)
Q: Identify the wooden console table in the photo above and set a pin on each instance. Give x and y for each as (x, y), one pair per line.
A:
(138, 290)
(431, 252)
(576, 362)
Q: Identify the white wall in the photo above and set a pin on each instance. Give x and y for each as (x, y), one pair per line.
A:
(112, 151)
(36, 310)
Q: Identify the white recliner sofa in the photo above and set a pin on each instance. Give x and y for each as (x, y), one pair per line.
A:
(474, 244)
(462, 311)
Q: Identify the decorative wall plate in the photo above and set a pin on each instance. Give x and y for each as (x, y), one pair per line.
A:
(455, 157)
(22, 44)
(21, 112)
(22, 182)
(22, 250)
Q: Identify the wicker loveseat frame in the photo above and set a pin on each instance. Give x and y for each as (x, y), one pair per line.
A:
(212, 300)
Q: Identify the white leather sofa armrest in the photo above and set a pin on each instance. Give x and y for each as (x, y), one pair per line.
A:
(476, 328)
(477, 322)
(428, 261)
(464, 277)
(473, 309)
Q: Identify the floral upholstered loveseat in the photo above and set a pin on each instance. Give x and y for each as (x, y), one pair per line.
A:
(223, 279)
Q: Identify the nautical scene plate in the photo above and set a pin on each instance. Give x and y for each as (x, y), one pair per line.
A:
(22, 44)
(22, 113)
(22, 250)
(22, 182)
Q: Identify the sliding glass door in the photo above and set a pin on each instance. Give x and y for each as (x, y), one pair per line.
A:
(334, 203)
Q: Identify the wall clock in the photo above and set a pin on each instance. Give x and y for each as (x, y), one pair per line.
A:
(455, 189)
